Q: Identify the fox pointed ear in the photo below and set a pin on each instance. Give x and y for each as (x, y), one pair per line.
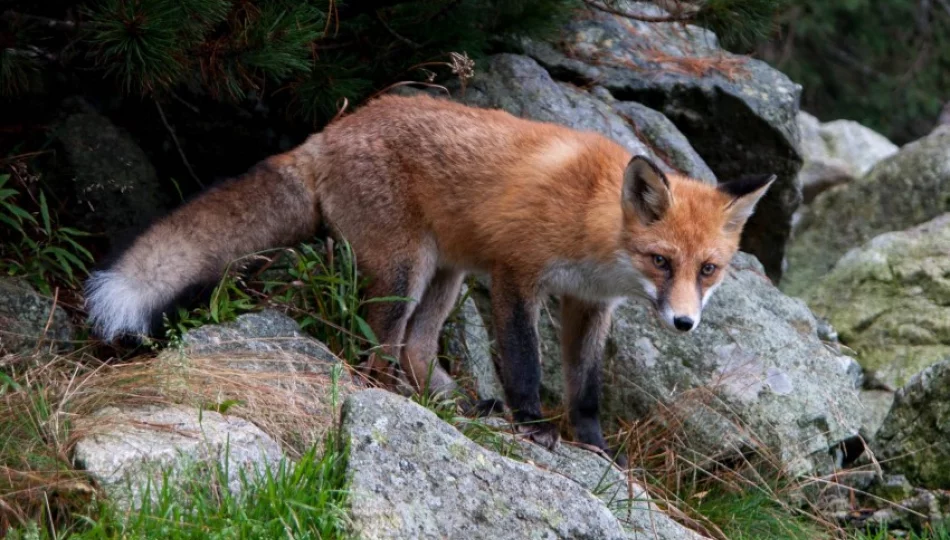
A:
(646, 191)
(745, 192)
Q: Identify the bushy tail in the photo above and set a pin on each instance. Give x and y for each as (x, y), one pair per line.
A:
(274, 204)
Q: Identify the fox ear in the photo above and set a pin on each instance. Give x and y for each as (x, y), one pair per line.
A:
(646, 191)
(745, 192)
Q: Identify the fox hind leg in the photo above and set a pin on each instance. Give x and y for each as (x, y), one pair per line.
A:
(418, 358)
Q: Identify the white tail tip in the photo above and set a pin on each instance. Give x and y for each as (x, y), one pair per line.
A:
(118, 305)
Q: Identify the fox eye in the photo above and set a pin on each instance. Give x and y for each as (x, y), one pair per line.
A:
(708, 269)
(661, 262)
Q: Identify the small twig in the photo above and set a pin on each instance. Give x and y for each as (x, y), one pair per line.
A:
(10, 15)
(181, 152)
(193, 108)
(636, 16)
(395, 34)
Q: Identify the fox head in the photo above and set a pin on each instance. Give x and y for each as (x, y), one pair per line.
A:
(681, 235)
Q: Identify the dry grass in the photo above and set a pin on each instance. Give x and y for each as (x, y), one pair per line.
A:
(46, 403)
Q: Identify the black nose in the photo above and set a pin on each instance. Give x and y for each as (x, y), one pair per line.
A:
(684, 324)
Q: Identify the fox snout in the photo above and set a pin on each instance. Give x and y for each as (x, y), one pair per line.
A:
(684, 321)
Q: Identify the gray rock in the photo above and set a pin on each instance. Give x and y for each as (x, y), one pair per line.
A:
(901, 191)
(738, 113)
(876, 405)
(24, 315)
(127, 452)
(914, 439)
(113, 175)
(837, 152)
(264, 334)
(522, 87)
(753, 374)
(890, 300)
(626, 498)
(414, 476)
(467, 339)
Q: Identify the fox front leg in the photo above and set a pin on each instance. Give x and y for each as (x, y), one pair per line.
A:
(515, 314)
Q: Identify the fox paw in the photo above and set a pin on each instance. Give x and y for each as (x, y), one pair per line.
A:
(544, 433)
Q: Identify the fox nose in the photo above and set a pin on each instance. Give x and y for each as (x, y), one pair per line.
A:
(683, 324)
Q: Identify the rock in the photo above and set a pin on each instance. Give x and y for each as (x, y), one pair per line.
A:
(904, 190)
(414, 476)
(522, 87)
(753, 375)
(125, 451)
(837, 152)
(24, 316)
(738, 113)
(466, 337)
(113, 176)
(914, 439)
(876, 405)
(890, 300)
(262, 333)
(626, 498)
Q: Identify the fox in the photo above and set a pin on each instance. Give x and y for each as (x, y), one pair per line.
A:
(428, 191)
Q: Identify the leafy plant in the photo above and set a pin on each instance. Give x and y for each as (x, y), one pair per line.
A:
(41, 250)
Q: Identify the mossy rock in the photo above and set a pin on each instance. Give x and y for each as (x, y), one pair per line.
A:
(890, 300)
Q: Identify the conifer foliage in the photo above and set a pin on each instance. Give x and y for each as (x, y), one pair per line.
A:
(311, 53)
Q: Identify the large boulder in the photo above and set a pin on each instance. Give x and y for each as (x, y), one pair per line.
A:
(915, 437)
(112, 174)
(131, 452)
(30, 321)
(837, 152)
(414, 476)
(520, 85)
(738, 113)
(904, 190)
(890, 300)
(753, 376)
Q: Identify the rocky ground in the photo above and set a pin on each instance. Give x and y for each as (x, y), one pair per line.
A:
(826, 352)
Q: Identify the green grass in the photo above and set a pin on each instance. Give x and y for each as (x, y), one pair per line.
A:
(755, 515)
(304, 500)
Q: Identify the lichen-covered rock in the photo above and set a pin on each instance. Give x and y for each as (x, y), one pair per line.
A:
(29, 320)
(837, 152)
(414, 476)
(128, 451)
(113, 176)
(466, 339)
(904, 190)
(628, 500)
(262, 333)
(753, 373)
(520, 85)
(738, 113)
(914, 439)
(890, 300)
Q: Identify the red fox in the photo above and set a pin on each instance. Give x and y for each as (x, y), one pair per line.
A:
(425, 191)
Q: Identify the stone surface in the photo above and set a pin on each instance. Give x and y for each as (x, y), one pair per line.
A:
(262, 333)
(126, 451)
(754, 370)
(466, 339)
(24, 315)
(890, 300)
(626, 498)
(876, 405)
(914, 439)
(904, 190)
(738, 113)
(522, 87)
(837, 152)
(113, 176)
(414, 476)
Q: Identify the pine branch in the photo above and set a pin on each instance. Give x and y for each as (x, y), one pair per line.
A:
(55, 24)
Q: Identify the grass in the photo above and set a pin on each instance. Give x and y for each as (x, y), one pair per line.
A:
(41, 490)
